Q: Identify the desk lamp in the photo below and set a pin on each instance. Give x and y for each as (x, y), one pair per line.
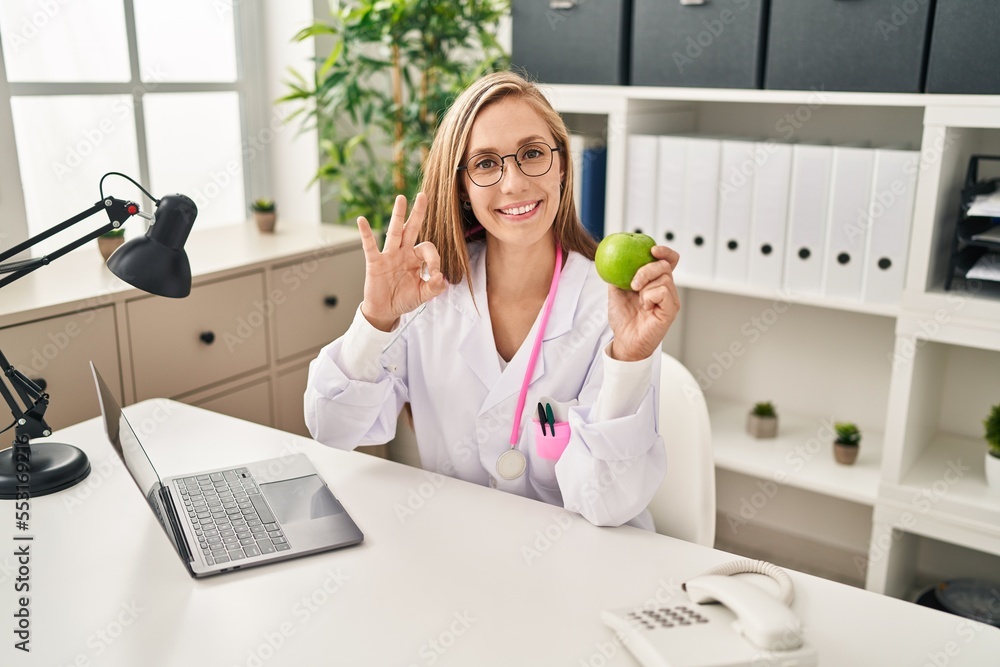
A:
(155, 263)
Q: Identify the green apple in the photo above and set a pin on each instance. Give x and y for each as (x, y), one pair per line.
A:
(620, 255)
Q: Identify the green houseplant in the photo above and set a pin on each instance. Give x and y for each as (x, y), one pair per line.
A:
(264, 214)
(762, 422)
(375, 100)
(847, 443)
(108, 242)
(992, 435)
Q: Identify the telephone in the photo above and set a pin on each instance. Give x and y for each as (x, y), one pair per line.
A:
(748, 628)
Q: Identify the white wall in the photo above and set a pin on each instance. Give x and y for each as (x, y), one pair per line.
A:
(293, 154)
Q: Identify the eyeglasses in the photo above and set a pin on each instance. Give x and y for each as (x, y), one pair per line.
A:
(486, 169)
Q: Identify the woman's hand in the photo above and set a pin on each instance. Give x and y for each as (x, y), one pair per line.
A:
(393, 284)
(640, 319)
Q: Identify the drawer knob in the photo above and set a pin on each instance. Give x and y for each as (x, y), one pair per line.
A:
(207, 337)
(330, 301)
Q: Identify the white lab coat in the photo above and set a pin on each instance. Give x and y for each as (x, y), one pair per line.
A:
(447, 367)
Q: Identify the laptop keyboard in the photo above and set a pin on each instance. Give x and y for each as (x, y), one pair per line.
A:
(230, 517)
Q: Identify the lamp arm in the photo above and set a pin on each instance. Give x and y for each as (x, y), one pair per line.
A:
(29, 422)
(118, 211)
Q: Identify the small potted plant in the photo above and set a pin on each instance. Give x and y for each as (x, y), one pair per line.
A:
(762, 422)
(845, 447)
(992, 425)
(264, 214)
(108, 242)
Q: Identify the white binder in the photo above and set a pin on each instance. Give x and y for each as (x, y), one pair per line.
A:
(671, 174)
(701, 197)
(640, 189)
(850, 196)
(890, 217)
(807, 214)
(736, 181)
(769, 217)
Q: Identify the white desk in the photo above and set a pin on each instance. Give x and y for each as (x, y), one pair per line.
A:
(447, 582)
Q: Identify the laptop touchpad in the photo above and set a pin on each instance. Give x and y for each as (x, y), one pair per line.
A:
(300, 499)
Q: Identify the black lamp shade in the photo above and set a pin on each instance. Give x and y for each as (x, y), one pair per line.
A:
(156, 263)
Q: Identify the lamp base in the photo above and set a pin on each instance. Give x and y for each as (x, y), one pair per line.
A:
(54, 467)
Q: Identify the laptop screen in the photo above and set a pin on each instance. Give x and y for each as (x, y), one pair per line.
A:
(126, 444)
(124, 439)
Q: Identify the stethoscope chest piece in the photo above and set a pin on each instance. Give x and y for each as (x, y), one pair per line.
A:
(511, 464)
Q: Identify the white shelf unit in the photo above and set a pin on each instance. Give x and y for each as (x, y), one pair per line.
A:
(820, 358)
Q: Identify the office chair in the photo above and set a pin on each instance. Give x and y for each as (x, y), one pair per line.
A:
(684, 505)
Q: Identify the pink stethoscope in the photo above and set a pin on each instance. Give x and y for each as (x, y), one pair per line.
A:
(512, 463)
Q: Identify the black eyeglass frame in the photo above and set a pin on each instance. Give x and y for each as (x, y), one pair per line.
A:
(503, 163)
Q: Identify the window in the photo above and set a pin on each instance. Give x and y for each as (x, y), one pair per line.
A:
(152, 89)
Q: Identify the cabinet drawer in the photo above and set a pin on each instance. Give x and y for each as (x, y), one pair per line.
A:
(315, 300)
(252, 403)
(57, 350)
(291, 389)
(217, 332)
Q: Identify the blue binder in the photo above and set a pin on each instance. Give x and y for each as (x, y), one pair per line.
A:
(593, 183)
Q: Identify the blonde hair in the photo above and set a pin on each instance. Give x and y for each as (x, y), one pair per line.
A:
(446, 223)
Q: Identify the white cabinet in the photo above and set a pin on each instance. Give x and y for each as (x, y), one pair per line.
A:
(55, 353)
(214, 334)
(315, 299)
(918, 376)
(260, 308)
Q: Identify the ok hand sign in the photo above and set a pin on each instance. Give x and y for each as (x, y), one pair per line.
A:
(393, 281)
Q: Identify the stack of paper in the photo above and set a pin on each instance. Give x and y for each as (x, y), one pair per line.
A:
(986, 205)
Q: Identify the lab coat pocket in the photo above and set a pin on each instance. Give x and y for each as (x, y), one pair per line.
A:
(548, 445)
(551, 443)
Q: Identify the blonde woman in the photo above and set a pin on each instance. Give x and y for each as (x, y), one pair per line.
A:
(484, 312)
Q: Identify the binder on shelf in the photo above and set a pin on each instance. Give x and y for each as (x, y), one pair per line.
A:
(701, 198)
(670, 175)
(736, 181)
(577, 146)
(850, 200)
(769, 217)
(640, 186)
(890, 216)
(808, 208)
(593, 184)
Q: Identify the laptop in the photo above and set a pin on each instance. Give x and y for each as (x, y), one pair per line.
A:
(235, 517)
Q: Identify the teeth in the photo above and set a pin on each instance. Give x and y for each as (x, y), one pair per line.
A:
(520, 210)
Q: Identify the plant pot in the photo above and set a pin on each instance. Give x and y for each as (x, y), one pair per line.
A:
(992, 472)
(846, 454)
(108, 244)
(265, 220)
(762, 427)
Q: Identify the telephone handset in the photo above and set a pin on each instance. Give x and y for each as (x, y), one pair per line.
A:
(749, 627)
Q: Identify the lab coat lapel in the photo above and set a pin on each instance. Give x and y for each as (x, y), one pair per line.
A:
(560, 323)
(475, 339)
